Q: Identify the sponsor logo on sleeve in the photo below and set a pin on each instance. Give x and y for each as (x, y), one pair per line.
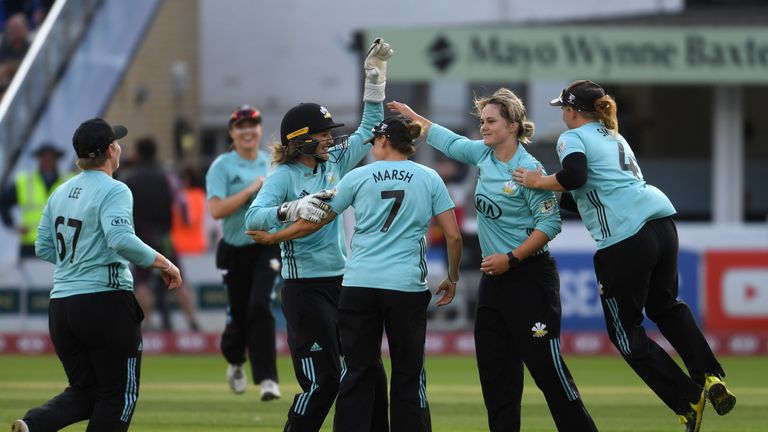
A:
(547, 207)
(121, 221)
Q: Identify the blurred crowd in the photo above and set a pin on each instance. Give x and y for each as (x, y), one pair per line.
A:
(19, 19)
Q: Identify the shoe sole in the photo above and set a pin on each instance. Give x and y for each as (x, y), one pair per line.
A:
(721, 399)
(17, 426)
(268, 396)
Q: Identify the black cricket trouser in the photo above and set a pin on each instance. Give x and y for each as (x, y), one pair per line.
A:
(641, 272)
(249, 279)
(310, 307)
(97, 337)
(363, 315)
(518, 322)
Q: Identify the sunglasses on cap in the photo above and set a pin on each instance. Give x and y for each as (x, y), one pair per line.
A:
(245, 113)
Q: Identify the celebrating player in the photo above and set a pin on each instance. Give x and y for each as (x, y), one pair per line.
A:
(518, 311)
(394, 200)
(249, 269)
(309, 159)
(93, 317)
(636, 258)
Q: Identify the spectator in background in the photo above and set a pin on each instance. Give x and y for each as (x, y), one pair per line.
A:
(188, 226)
(153, 199)
(30, 192)
(13, 48)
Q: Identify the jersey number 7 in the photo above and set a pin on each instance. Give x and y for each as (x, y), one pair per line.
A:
(398, 196)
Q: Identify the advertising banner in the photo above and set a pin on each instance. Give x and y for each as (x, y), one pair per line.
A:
(581, 300)
(737, 290)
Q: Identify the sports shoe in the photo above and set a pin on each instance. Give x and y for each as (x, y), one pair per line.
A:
(692, 420)
(721, 399)
(236, 378)
(269, 390)
(19, 426)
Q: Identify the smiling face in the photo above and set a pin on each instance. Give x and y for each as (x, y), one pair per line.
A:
(494, 128)
(325, 140)
(246, 134)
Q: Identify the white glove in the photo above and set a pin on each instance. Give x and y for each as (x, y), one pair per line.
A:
(375, 66)
(311, 207)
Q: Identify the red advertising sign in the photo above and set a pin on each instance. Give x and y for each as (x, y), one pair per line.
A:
(737, 290)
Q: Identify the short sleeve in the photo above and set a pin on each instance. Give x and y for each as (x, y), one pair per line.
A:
(216, 180)
(441, 199)
(345, 193)
(569, 142)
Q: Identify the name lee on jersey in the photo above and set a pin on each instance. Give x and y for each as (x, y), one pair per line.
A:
(401, 175)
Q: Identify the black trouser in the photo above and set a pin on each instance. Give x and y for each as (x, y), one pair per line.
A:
(518, 322)
(249, 279)
(641, 272)
(98, 340)
(363, 315)
(311, 313)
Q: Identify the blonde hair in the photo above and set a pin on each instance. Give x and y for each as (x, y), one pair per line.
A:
(512, 109)
(408, 148)
(86, 163)
(284, 154)
(605, 112)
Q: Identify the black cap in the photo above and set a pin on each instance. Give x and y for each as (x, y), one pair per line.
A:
(93, 136)
(394, 128)
(50, 148)
(580, 95)
(244, 112)
(304, 119)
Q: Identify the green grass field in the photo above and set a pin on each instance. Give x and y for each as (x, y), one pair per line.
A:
(189, 394)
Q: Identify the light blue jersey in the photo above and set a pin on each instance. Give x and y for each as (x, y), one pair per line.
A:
(507, 213)
(394, 202)
(615, 202)
(321, 254)
(87, 231)
(228, 175)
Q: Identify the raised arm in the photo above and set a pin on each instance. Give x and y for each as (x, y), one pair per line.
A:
(449, 143)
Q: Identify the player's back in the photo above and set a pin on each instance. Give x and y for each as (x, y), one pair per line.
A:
(394, 202)
(74, 220)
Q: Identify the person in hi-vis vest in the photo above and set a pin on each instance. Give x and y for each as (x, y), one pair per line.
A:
(29, 192)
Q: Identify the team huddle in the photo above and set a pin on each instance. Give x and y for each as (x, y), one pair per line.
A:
(337, 308)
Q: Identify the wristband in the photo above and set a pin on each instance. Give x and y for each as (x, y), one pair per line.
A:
(513, 261)
(167, 269)
(452, 281)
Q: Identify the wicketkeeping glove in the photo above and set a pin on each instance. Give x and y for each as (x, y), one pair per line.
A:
(375, 66)
(310, 207)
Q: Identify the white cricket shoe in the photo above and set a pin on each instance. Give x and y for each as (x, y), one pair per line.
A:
(236, 378)
(19, 426)
(269, 390)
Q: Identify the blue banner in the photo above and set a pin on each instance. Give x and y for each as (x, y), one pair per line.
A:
(581, 300)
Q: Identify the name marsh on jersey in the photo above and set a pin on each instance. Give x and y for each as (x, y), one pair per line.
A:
(400, 175)
(604, 53)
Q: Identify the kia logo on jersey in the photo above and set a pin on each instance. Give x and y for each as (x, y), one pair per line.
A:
(487, 207)
(745, 292)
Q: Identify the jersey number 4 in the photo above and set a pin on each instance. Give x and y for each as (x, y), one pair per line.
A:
(628, 163)
(61, 245)
(398, 196)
